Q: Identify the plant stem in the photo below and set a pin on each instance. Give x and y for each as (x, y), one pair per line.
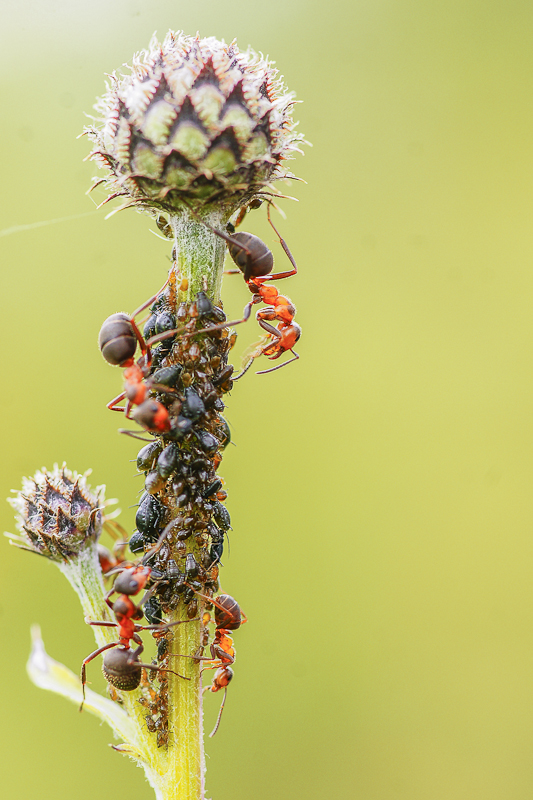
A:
(186, 761)
(85, 577)
(199, 254)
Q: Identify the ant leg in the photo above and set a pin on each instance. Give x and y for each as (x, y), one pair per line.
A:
(196, 658)
(158, 545)
(84, 666)
(149, 593)
(163, 669)
(165, 625)
(294, 270)
(245, 317)
(150, 301)
(108, 595)
(245, 370)
(134, 435)
(112, 405)
(260, 349)
(266, 313)
(160, 337)
(278, 276)
(270, 329)
(214, 601)
(257, 352)
(145, 346)
(219, 665)
(279, 366)
(224, 236)
(101, 623)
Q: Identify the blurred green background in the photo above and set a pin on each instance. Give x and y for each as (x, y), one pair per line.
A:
(380, 491)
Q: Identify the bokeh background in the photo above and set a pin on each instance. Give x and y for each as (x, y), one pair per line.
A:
(380, 489)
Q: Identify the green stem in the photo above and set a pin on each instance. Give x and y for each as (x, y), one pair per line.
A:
(199, 253)
(186, 760)
(85, 577)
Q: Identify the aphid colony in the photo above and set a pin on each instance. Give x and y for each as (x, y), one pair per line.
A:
(174, 391)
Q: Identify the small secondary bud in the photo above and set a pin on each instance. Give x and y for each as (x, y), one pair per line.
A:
(58, 515)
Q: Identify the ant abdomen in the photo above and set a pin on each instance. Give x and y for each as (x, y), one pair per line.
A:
(252, 257)
(227, 613)
(117, 340)
(122, 669)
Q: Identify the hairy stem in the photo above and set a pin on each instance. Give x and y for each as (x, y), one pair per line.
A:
(186, 765)
(199, 254)
(85, 577)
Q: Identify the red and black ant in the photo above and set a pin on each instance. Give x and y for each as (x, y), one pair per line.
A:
(255, 261)
(118, 340)
(228, 617)
(122, 667)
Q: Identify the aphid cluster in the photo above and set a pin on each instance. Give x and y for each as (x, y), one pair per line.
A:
(174, 391)
(155, 698)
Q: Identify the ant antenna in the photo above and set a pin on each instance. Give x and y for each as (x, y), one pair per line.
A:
(215, 729)
(279, 366)
(134, 435)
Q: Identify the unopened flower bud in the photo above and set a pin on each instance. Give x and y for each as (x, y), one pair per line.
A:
(196, 123)
(58, 515)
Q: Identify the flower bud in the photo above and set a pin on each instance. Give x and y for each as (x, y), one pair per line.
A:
(58, 515)
(196, 123)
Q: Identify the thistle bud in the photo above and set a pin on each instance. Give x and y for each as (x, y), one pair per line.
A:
(58, 515)
(196, 123)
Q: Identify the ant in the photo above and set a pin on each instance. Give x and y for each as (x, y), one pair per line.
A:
(255, 261)
(122, 667)
(118, 340)
(228, 617)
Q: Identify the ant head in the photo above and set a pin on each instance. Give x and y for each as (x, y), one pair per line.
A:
(224, 675)
(132, 580)
(297, 331)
